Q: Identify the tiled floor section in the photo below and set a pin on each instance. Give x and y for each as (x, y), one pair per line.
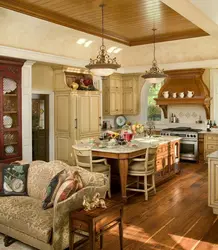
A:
(177, 218)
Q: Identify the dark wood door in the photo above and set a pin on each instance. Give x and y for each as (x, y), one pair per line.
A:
(40, 127)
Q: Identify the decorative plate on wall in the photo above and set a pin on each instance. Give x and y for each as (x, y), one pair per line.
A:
(120, 120)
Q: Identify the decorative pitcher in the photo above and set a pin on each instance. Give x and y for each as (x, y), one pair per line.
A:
(174, 95)
(190, 94)
(165, 94)
(181, 95)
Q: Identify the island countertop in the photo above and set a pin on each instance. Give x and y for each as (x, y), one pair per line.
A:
(140, 144)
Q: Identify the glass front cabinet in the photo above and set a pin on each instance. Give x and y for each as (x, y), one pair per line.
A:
(10, 110)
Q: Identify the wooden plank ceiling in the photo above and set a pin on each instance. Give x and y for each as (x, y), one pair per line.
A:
(126, 21)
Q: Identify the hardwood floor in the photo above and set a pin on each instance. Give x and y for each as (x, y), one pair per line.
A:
(177, 217)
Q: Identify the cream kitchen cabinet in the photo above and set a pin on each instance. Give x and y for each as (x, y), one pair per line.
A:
(210, 143)
(213, 181)
(112, 95)
(131, 96)
(77, 116)
(121, 94)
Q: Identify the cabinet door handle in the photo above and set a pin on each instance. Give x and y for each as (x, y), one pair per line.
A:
(99, 120)
(75, 123)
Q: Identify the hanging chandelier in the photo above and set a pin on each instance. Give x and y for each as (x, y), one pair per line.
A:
(103, 65)
(154, 75)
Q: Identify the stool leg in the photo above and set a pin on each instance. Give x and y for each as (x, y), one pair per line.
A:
(146, 187)
(101, 240)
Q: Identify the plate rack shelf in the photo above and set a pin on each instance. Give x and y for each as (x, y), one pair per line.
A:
(10, 110)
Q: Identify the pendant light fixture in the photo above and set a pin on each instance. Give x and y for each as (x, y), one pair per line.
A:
(154, 75)
(103, 65)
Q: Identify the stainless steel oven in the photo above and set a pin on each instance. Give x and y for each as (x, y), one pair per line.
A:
(188, 143)
(189, 150)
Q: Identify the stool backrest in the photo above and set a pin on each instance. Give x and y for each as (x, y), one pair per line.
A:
(83, 156)
(151, 159)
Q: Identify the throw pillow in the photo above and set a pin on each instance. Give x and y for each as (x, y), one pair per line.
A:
(71, 185)
(52, 189)
(13, 180)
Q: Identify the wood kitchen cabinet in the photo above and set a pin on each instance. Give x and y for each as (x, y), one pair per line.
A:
(210, 144)
(77, 116)
(131, 95)
(212, 182)
(121, 94)
(112, 95)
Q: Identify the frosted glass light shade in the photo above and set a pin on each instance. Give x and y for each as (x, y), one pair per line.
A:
(154, 80)
(102, 72)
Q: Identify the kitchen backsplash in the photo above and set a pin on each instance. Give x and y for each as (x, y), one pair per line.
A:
(188, 114)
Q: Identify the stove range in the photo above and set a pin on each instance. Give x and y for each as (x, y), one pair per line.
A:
(188, 143)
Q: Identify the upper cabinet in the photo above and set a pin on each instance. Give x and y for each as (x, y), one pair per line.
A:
(121, 94)
(10, 110)
(131, 95)
(112, 95)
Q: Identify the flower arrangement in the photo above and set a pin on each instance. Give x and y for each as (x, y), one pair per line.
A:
(138, 128)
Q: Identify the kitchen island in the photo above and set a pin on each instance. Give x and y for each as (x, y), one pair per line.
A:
(167, 155)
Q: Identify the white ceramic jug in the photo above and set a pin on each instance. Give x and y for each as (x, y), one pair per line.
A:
(181, 94)
(165, 94)
(190, 94)
(174, 95)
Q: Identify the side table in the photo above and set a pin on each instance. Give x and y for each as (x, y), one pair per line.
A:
(95, 223)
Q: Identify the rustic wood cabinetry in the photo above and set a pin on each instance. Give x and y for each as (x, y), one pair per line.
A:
(121, 94)
(130, 94)
(10, 110)
(77, 116)
(112, 95)
(213, 183)
(210, 144)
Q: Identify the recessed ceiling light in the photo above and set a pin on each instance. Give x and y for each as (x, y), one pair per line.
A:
(111, 49)
(117, 50)
(87, 43)
(81, 41)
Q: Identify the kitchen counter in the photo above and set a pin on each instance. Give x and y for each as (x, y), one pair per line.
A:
(213, 131)
(140, 144)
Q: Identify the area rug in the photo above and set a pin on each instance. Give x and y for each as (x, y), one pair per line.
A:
(15, 246)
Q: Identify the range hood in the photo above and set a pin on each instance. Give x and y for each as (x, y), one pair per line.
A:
(183, 81)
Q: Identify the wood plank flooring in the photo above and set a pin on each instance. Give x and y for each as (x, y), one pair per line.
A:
(176, 218)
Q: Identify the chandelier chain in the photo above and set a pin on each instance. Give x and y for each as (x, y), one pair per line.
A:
(102, 22)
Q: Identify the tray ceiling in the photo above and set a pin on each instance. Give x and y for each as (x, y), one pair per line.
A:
(127, 21)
